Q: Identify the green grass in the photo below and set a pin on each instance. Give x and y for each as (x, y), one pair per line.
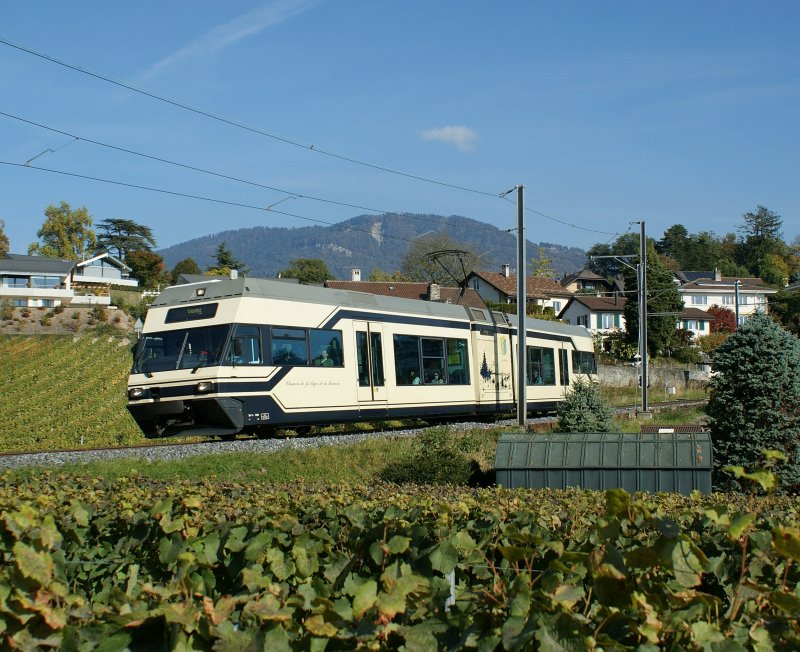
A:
(621, 396)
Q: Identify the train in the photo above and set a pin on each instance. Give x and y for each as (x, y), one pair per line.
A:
(253, 356)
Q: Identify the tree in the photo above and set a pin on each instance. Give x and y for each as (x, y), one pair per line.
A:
(625, 245)
(760, 236)
(4, 244)
(119, 236)
(378, 275)
(148, 267)
(724, 319)
(585, 410)
(308, 270)
(755, 392)
(785, 306)
(542, 265)
(662, 297)
(185, 266)
(448, 270)
(66, 233)
(225, 262)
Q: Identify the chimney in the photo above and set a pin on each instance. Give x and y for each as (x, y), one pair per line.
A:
(433, 292)
(506, 270)
(717, 275)
(355, 275)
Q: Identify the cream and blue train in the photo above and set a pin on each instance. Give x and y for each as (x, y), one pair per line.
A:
(249, 355)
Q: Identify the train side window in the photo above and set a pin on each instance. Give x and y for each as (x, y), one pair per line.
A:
(433, 361)
(457, 362)
(563, 364)
(326, 347)
(245, 346)
(289, 346)
(583, 362)
(541, 366)
(406, 360)
(362, 357)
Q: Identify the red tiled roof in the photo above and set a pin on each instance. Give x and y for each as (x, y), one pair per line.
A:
(535, 287)
(410, 290)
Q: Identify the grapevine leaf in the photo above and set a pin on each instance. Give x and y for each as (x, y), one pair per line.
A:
(364, 598)
(786, 541)
(37, 566)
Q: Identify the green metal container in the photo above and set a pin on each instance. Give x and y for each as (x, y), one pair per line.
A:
(676, 462)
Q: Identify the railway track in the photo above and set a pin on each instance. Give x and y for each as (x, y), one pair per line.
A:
(166, 450)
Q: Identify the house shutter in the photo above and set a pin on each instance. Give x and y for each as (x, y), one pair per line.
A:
(702, 325)
(616, 321)
(599, 320)
(686, 325)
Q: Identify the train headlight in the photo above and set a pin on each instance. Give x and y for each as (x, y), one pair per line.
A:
(135, 393)
(204, 387)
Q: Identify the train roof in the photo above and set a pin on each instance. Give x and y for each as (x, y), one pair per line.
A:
(216, 288)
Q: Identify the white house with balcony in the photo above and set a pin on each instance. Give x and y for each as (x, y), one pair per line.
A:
(40, 282)
(702, 290)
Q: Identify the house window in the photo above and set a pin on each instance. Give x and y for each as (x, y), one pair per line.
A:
(45, 281)
(476, 284)
(727, 300)
(699, 300)
(744, 300)
(582, 320)
(15, 281)
(48, 303)
(607, 320)
(20, 303)
(556, 307)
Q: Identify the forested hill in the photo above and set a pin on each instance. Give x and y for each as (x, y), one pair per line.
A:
(366, 242)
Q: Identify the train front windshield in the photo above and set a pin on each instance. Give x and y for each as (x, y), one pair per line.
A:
(188, 348)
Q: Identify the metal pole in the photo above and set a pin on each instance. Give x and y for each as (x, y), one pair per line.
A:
(522, 358)
(643, 311)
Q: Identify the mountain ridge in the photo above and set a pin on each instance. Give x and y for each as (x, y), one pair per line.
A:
(366, 242)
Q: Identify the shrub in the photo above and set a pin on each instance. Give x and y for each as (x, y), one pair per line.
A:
(98, 313)
(585, 410)
(6, 311)
(58, 309)
(435, 459)
(755, 394)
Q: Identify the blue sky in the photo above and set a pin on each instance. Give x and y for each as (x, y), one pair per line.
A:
(607, 112)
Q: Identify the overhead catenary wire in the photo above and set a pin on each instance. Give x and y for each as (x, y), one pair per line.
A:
(226, 202)
(220, 175)
(284, 139)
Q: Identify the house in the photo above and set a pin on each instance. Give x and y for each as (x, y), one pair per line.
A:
(413, 290)
(586, 282)
(502, 288)
(696, 321)
(601, 315)
(704, 289)
(38, 281)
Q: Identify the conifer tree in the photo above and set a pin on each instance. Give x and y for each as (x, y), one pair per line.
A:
(754, 399)
(584, 410)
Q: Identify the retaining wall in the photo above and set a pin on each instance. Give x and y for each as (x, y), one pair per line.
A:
(659, 377)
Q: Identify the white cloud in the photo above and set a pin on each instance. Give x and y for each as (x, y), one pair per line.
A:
(461, 137)
(271, 14)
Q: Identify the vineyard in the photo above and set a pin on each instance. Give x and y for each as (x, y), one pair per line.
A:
(138, 564)
(64, 392)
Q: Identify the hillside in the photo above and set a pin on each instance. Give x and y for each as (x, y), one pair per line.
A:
(366, 242)
(64, 391)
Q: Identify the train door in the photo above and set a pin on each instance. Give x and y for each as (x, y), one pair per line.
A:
(369, 355)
